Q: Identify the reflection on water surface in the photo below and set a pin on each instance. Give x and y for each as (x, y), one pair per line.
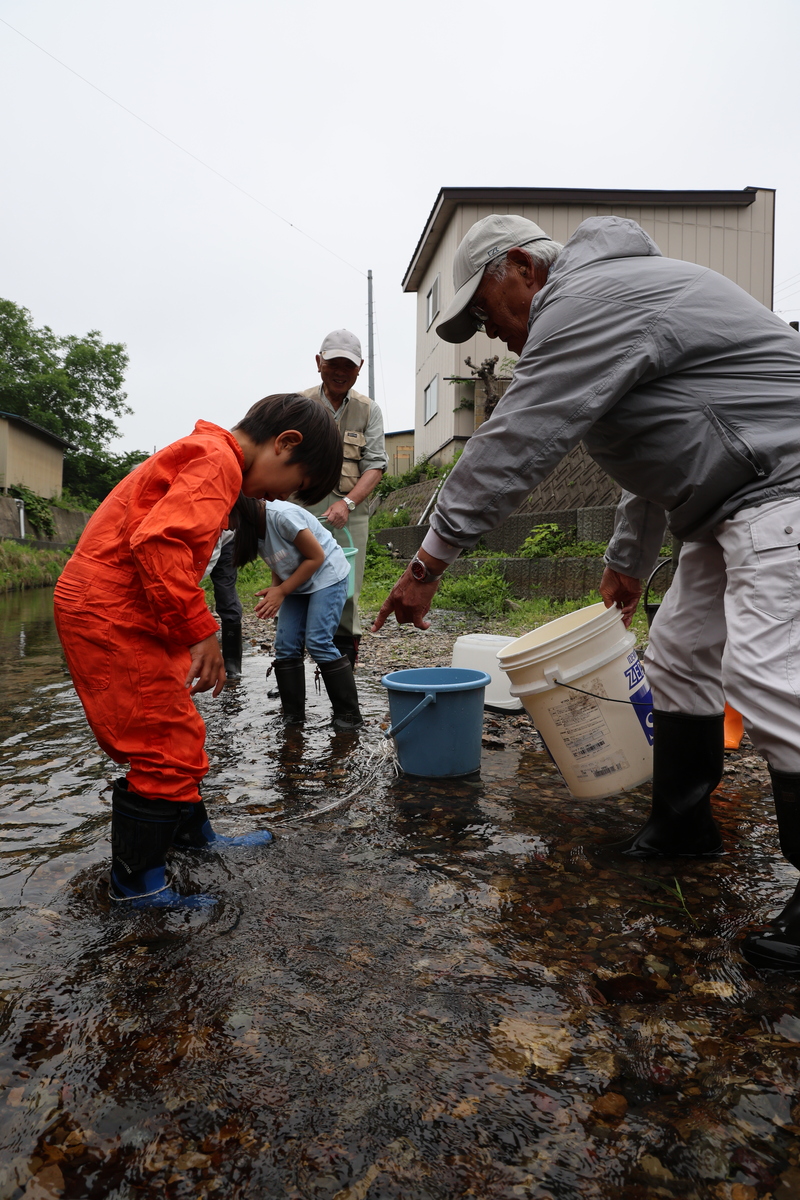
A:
(438, 989)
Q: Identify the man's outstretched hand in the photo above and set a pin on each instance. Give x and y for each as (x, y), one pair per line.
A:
(622, 590)
(409, 601)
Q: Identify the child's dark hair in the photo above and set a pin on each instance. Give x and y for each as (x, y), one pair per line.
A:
(248, 519)
(321, 449)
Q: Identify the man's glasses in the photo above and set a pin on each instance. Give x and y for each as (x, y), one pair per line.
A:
(479, 316)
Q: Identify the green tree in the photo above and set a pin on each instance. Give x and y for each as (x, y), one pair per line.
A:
(71, 386)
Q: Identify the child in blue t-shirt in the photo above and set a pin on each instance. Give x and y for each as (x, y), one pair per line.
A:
(309, 588)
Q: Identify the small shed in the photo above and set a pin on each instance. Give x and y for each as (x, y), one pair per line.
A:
(400, 451)
(30, 456)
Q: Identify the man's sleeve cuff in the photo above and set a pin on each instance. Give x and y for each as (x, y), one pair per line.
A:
(438, 548)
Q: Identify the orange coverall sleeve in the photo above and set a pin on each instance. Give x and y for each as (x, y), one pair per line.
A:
(173, 544)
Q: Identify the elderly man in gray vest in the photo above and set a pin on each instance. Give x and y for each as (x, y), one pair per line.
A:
(686, 391)
(361, 427)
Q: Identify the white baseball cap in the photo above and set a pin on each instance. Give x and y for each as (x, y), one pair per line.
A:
(487, 239)
(341, 344)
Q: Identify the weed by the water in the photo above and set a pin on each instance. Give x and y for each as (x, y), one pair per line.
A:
(24, 566)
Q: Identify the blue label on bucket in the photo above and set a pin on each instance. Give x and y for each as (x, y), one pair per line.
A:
(634, 672)
(642, 702)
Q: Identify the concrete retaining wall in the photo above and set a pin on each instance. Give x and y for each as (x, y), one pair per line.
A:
(68, 522)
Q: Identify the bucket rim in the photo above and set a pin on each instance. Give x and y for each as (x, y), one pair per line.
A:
(601, 620)
(486, 639)
(478, 679)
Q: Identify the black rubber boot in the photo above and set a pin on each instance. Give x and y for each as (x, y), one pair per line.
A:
(778, 947)
(290, 677)
(340, 684)
(232, 649)
(142, 831)
(348, 644)
(196, 833)
(688, 759)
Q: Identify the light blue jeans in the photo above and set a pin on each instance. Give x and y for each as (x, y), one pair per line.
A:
(310, 620)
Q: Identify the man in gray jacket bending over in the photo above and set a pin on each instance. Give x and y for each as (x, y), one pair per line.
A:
(686, 391)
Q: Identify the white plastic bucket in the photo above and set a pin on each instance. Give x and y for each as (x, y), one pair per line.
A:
(479, 651)
(599, 746)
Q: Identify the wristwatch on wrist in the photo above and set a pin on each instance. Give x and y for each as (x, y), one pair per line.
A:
(421, 573)
(350, 503)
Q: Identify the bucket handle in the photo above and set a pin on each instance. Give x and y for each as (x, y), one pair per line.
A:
(428, 698)
(347, 532)
(554, 674)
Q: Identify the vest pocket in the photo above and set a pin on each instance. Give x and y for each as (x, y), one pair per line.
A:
(349, 477)
(353, 443)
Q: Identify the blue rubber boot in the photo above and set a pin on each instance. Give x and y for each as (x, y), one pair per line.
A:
(142, 830)
(195, 832)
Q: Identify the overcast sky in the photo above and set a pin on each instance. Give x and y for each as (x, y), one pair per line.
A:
(344, 120)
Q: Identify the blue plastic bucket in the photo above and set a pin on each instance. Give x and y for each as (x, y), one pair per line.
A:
(350, 553)
(437, 719)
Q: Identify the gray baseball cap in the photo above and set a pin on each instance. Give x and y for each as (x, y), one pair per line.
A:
(341, 344)
(487, 239)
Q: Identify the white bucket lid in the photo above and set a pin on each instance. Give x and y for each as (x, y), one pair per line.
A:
(485, 641)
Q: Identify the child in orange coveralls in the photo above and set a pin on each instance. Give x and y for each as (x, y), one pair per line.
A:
(138, 636)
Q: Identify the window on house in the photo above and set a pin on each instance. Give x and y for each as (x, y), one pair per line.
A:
(432, 399)
(432, 304)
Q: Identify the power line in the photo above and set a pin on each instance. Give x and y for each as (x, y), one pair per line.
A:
(784, 299)
(183, 149)
(785, 282)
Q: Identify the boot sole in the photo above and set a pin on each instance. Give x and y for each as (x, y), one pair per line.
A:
(643, 854)
(765, 959)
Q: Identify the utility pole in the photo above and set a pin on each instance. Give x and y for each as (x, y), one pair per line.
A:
(370, 346)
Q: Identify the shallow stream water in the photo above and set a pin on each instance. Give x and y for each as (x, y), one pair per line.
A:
(436, 989)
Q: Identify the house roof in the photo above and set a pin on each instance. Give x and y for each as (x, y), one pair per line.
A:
(40, 429)
(449, 198)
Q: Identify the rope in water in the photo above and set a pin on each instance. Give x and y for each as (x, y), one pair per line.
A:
(381, 755)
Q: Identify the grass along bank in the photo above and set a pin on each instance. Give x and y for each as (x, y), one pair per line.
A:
(24, 566)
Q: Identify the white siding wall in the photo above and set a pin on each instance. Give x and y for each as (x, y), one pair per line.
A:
(735, 241)
(29, 460)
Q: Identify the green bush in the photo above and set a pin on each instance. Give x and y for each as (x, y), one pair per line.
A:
(385, 519)
(484, 591)
(37, 511)
(542, 541)
(550, 541)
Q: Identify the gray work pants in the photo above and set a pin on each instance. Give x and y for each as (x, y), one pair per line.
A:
(729, 629)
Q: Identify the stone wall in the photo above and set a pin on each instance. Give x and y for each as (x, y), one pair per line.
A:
(555, 578)
(576, 483)
(592, 525)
